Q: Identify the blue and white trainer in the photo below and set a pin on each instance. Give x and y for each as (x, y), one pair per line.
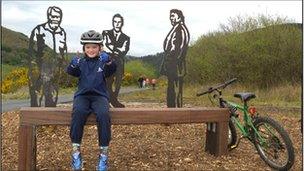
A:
(102, 163)
(76, 161)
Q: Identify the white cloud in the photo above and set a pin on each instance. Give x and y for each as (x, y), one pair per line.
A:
(146, 22)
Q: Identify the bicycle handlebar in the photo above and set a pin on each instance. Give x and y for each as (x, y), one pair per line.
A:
(211, 89)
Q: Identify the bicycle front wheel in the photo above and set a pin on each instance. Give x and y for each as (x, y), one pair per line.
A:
(273, 144)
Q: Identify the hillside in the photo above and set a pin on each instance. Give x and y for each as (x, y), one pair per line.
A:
(154, 61)
(14, 47)
(12, 38)
(263, 58)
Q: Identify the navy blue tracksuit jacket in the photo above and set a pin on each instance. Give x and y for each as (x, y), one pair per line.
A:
(92, 73)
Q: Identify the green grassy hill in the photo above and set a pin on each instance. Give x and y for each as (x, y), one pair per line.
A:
(14, 47)
(15, 39)
(263, 57)
(154, 61)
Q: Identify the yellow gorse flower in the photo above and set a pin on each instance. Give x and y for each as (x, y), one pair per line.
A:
(14, 80)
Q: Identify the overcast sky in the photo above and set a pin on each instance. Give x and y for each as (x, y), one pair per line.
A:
(146, 22)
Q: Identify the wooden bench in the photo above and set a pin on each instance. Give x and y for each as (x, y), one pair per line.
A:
(31, 117)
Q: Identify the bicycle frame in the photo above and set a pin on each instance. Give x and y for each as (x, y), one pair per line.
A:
(247, 120)
(246, 128)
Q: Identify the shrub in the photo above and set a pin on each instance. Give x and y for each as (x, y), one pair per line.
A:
(127, 78)
(258, 53)
(14, 80)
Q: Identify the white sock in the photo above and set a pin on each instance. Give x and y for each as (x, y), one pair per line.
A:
(76, 147)
(104, 150)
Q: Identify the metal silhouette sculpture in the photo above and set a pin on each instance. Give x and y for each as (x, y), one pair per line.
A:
(174, 64)
(117, 45)
(47, 48)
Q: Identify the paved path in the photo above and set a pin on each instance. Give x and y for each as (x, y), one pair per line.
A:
(17, 104)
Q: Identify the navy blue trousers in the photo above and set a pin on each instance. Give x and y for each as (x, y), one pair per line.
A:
(83, 105)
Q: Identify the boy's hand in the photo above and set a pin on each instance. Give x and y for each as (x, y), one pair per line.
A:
(104, 57)
(75, 62)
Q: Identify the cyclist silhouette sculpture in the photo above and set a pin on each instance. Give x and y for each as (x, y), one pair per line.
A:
(117, 45)
(174, 64)
(45, 64)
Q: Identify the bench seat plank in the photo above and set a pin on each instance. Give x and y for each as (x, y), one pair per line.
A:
(119, 116)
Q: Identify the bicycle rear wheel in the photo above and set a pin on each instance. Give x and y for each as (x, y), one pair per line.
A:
(274, 146)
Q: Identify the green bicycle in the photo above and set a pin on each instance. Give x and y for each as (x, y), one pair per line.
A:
(269, 138)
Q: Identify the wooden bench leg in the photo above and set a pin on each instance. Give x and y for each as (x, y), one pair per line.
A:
(27, 148)
(217, 138)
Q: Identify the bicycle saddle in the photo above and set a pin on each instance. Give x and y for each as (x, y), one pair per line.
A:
(245, 96)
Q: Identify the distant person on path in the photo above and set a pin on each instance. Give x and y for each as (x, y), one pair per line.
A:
(46, 41)
(91, 97)
(117, 45)
(144, 82)
(140, 81)
(153, 82)
(174, 63)
(147, 82)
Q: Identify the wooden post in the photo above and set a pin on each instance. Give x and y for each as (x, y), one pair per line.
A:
(217, 138)
(222, 138)
(27, 147)
(1, 140)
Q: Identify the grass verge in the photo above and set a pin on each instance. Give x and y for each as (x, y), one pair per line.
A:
(23, 93)
(287, 96)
